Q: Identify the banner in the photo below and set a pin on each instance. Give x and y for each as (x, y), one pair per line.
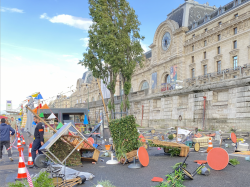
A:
(154, 80)
(8, 105)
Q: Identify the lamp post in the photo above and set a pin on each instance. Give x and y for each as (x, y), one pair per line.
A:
(88, 97)
(71, 95)
(60, 99)
(121, 92)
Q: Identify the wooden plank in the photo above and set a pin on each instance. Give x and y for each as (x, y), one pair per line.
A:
(40, 118)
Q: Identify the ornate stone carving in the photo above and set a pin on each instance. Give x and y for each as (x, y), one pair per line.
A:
(192, 65)
(234, 52)
(204, 62)
(218, 57)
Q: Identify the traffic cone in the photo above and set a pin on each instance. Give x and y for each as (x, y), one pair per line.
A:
(23, 142)
(210, 145)
(30, 160)
(21, 167)
(18, 140)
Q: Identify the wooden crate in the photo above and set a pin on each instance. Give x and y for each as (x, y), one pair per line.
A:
(94, 158)
(184, 148)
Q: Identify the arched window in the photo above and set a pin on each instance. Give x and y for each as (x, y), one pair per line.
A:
(144, 85)
(167, 79)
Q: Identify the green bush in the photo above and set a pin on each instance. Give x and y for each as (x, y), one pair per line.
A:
(41, 181)
(124, 133)
(170, 137)
(234, 161)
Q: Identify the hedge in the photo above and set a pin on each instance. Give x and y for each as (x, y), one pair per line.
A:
(125, 134)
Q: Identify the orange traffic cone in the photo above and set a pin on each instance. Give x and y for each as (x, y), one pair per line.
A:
(210, 145)
(21, 166)
(23, 142)
(30, 160)
(18, 140)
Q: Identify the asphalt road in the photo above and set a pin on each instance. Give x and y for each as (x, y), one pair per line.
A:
(159, 165)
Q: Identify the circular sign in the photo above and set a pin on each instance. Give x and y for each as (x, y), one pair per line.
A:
(233, 137)
(143, 156)
(166, 40)
(91, 140)
(197, 147)
(217, 158)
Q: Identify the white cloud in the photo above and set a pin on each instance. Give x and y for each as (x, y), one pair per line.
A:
(5, 9)
(85, 42)
(44, 16)
(77, 22)
(19, 58)
(73, 60)
(67, 55)
(49, 75)
(145, 47)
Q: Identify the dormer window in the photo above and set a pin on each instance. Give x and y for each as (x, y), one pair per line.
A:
(194, 25)
(220, 11)
(236, 2)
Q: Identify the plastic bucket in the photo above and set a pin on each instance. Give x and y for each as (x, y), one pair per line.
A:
(107, 147)
(204, 171)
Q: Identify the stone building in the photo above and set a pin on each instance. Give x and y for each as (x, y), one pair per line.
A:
(197, 73)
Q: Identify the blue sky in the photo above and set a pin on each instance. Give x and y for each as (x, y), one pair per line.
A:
(42, 41)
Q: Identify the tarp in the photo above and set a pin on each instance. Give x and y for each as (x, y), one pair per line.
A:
(29, 127)
(39, 97)
(184, 132)
(59, 126)
(45, 106)
(52, 116)
(41, 115)
(68, 173)
(3, 117)
(85, 122)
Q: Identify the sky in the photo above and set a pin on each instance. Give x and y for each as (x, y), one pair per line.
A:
(42, 42)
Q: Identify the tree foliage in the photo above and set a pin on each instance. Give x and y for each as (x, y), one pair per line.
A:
(114, 43)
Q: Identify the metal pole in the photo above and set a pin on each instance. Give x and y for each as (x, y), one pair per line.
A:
(204, 110)
(121, 93)
(88, 100)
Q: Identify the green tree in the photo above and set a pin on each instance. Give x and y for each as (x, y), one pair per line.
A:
(103, 53)
(114, 44)
(133, 54)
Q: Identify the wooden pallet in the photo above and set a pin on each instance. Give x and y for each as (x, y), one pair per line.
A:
(59, 182)
(184, 148)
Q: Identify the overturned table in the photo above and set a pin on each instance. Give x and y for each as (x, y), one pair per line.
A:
(157, 143)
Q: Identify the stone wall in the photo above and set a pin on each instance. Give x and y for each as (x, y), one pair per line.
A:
(227, 105)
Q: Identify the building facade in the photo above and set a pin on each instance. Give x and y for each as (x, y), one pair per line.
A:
(195, 75)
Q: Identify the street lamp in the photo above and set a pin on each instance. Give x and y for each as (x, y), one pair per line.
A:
(71, 95)
(60, 99)
(88, 96)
